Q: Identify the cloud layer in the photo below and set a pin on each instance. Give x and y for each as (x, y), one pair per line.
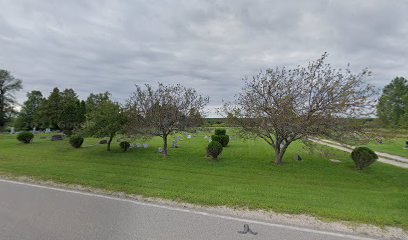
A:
(96, 46)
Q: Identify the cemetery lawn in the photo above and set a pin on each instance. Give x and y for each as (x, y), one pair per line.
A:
(392, 146)
(242, 177)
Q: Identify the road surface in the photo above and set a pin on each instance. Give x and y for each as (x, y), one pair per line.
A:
(35, 212)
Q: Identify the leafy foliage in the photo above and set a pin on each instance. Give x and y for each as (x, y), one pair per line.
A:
(363, 157)
(28, 116)
(223, 139)
(220, 131)
(392, 108)
(25, 137)
(76, 141)
(125, 145)
(8, 86)
(214, 149)
(105, 118)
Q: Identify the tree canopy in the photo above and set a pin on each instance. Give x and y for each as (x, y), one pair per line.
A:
(283, 105)
(9, 85)
(163, 110)
(392, 108)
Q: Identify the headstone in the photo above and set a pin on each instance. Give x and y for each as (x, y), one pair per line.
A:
(160, 150)
(103, 141)
(34, 130)
(298, 158)
(12, 130)
(145, 145)
(56, 138)
(189, 136)
(205, 137)
(138, 145)
(335, 161)
(47, 130)
(174, 145)
(178, 137)
(209, 140)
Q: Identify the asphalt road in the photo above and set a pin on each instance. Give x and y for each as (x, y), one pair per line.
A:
(35, 212)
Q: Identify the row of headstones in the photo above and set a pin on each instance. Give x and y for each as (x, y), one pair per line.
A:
(34, 131)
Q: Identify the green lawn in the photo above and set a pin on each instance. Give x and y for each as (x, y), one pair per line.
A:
(392, 146)
(242, 177)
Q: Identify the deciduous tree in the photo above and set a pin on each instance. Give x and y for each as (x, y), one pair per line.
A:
(9, 85)
(163, 110)
(284, 105)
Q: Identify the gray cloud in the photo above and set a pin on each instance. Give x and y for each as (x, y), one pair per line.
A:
(95, 46)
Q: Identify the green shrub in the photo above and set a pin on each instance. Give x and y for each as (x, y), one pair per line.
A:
(76, 141)
(363, 157)
(223, 139)
(214, 149)
(125, 145)
(25, 137)
(220, 131)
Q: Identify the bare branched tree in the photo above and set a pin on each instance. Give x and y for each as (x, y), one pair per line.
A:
(282, 106)
(161, 111)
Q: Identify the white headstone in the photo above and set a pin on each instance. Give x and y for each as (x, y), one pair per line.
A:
(138, 145)
(205, 137)
(12, 130)
(145, 145)
(189, 136)
(209, 140)
(159, 150)
(34, 130)
(47, 130)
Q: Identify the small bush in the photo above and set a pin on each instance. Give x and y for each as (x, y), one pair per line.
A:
(25, 137)
(214, 149)
(220, 131)
(363, 157)
(125, 145)
(76, 141)
(223, 139)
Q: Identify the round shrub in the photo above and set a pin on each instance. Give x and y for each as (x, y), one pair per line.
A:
(25, 137)
(76, 141)
(214, 149)
(125, 145)
(223, 139)
(220, 131)
(363, 157)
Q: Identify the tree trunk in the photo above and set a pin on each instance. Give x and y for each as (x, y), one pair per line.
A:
(278, 157)
(109, 142)
(164, 145)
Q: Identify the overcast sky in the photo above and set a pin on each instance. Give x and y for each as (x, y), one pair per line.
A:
(96, 46)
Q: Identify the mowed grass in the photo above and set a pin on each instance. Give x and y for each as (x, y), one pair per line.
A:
(392, 146)
(242, 177)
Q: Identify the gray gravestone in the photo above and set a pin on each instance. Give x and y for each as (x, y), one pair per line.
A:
(145, 145)
(12, 130)
(56, 138)
(174, 145)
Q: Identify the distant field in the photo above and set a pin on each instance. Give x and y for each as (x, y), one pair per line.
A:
(243, 177)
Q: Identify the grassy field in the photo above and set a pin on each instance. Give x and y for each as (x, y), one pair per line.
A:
(242, 177)
(392, 146)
